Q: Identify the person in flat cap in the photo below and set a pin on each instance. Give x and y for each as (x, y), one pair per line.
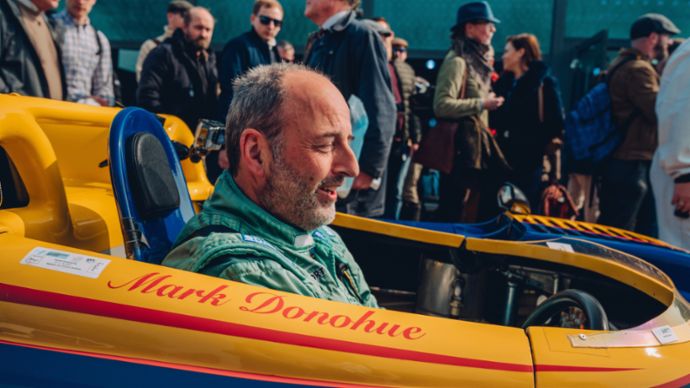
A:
(626, 199)
(463, 93)
(175, 16)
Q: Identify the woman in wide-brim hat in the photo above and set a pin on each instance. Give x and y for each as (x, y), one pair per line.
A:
(463, 93)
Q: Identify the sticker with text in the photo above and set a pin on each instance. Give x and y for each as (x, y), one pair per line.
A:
(68, 262)
(556, 246)
(665, 334)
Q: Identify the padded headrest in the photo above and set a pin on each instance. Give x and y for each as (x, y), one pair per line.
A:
(150, 176)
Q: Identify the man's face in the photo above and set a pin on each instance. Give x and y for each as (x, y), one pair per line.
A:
(387, 39)
(267, 22)
(79, 8)
(287, 54)
(200, 29)
(45, 5)
(400, 53)
(318, 11)
(661, 47)
(313, 156)
(175, 20)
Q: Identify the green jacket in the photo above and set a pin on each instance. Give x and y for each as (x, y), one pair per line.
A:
(259, 249)
(447, 104)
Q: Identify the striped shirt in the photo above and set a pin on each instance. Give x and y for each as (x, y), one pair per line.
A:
(86, 61)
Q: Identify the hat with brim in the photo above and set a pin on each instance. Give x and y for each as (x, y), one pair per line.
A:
(652, 22)
(478, 11)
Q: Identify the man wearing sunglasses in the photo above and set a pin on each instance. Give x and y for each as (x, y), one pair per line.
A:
(253, 48)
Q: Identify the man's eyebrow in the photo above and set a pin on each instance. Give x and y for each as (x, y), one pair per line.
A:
(330, 135)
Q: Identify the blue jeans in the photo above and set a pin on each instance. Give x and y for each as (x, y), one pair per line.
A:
(398, 164)
(626, 199)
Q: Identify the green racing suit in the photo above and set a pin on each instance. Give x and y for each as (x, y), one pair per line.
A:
(249, 245)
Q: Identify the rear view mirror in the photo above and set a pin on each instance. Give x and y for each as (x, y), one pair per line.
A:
(512, 199)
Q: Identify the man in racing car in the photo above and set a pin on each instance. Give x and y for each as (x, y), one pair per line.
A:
(287, 138)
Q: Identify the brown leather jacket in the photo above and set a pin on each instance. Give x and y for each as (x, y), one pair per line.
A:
(634, 87)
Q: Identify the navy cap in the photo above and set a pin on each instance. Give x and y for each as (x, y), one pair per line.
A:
(478, 11)
(652, 22)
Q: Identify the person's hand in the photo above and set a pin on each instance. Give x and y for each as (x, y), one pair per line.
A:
(681, 197)
(412, 145)
(223, 161)
(100, 101)
(492, 102)
(362, 181)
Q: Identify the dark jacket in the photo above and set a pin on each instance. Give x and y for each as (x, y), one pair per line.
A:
(239, 55)
(406, 80)
(354, 58)
(20, 67)
(174, 81)
(634, 87)
(523, 137)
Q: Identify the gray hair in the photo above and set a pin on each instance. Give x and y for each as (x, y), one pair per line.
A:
(257, 103)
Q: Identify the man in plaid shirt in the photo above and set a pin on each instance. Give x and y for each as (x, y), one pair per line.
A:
(85, 56)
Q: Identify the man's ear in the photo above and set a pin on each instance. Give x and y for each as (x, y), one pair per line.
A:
(255, 153)
(654, 38)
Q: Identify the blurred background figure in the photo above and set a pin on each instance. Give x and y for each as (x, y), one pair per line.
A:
(175, 15)
(670, 170)
(86, 58)
(253, 48)
(411, 207)
(530, 120)
(406, 127)
(179, 76)
(355, 59)
(463, 92)
(626, 199)
(286, 51)
(29, 58)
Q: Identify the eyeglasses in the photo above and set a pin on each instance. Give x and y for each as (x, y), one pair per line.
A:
(386, 34)
(265, 20)
(400, 49)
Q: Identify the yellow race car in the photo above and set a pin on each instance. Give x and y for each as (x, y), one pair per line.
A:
(460, 309)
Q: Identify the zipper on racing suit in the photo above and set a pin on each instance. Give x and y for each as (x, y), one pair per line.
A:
(346, 277)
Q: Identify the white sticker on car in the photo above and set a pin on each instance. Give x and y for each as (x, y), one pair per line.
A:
(68, 262)
(665, 334)
(560, 246)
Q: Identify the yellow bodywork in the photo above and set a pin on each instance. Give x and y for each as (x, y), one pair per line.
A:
(144, 313)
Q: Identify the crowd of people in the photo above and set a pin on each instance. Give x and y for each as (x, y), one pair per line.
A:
(508, 125)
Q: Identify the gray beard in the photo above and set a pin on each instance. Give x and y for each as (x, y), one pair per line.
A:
(288, 197)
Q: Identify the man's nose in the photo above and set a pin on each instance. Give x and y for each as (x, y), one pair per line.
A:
(345, 163)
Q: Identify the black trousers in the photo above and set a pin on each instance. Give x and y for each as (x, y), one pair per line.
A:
(468, 195)
(626, 200)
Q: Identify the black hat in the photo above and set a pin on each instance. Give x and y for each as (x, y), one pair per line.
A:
(652, 22)
(478, 11)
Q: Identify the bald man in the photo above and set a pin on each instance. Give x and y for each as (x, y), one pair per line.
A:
(179, 76)
(287, 138)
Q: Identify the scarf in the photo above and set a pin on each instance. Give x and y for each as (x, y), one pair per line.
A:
(475, 54)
